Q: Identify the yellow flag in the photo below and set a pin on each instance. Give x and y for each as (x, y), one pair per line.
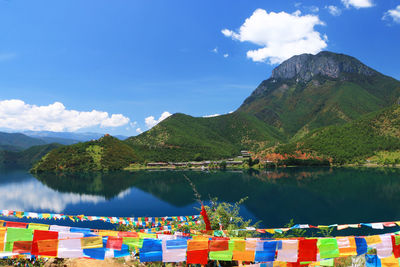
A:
(373, 239)
(92, 242)
(108, 233)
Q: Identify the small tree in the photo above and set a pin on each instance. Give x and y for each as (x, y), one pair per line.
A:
(198, 157)
(225, 216)
(222, 165)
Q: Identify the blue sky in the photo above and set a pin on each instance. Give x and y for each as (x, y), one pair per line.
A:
(145, 58)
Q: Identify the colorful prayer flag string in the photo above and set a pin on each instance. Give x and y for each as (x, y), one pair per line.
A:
(139, 222)
(31, 239)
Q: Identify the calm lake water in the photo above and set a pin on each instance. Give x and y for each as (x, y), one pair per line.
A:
(308, 195)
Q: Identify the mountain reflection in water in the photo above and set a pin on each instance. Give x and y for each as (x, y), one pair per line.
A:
(307, 195)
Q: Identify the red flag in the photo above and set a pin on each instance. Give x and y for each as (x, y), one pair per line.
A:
(205, 218)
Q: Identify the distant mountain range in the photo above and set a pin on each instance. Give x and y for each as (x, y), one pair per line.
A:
(21, 150)
(328, 104)
(76, 137)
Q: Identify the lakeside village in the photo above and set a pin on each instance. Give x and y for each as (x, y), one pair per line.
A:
(244, 160)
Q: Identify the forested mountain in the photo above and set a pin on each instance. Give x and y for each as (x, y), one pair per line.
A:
(25, 159)
(183, 137)
(307, 92)
(357, 140)
(104, 154)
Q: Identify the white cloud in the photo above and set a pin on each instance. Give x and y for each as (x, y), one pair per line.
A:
(394, 14)
(334, 10)
(139, 131)
(226, 55)
(15, 114)
(358, 3)
(212, 115)
(281, 35)
(151, 121)
(215, 50)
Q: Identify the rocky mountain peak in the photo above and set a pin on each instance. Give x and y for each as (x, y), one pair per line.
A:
(304, 67)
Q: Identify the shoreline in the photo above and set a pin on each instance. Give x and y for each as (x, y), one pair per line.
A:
(369, 165)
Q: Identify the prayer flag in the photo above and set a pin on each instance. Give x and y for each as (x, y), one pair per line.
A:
(289, 251)
(70, 248)
(244, 255)
(44, 235)
(390, 261)
(221, 255)
(128, 234)
(58, 228)
(347, 246)
(308, 250)
(95, 253)
(328, 248)
(16, 224)
(329, 262)
(69, 235)
(219, 245)
(3, 231)
(114, 242)
(47, 247)
(396, 248)
(107, 233)
(268, 254)
(133, 242)
(205, 218)
(150, 256)
(372, 261)
(176, 244)
(22, 247)
(197, 245)
(373, 239)
(91, 242)
(197, 257)
(37, 226)
(151, 245)
(361, 244)
(173, 250)
(239, 245)
(17, 234)
(251, 244)
(123, 252)
(385, 248)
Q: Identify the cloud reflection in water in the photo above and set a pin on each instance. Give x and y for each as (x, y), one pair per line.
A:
(31, 195)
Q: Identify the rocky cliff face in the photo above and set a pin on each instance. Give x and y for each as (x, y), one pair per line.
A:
(307, 92)
(304, 67)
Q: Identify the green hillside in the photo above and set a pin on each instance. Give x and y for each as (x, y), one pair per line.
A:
(354, 141)
(183, 137)
(24, 159)
(107, 153)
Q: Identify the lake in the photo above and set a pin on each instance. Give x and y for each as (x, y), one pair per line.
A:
(317, 196)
